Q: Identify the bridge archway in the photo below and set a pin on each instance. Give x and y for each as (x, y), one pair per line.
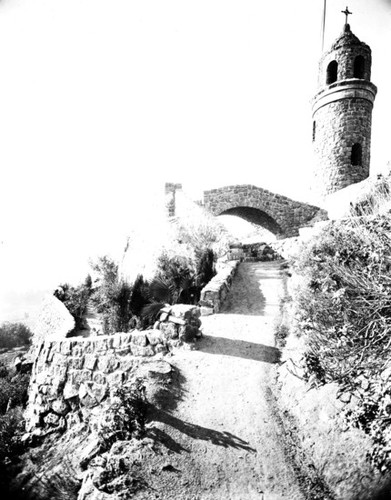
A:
(255, 216)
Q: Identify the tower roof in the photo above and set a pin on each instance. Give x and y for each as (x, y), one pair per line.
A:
(347, 38)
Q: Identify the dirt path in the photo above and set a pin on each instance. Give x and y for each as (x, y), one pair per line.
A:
(223, 439)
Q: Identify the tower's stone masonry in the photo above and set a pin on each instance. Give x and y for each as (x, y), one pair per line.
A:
(342, 115)
(334, 149)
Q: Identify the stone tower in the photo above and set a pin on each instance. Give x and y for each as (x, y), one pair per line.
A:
(342, 114)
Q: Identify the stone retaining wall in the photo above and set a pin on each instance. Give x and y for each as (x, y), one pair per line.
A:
(214, 293)
(73, 375)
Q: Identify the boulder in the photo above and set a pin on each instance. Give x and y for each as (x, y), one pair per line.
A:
(53, 321)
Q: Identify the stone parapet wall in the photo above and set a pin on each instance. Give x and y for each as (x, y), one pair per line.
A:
(215, 292)
(277, 213)
(72, 376)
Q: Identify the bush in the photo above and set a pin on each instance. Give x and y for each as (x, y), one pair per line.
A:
(205, 268)
(113, 297)
(6, 392)
(11, 428)
(200, 231)
(140, 295)
(4, 370)
(126, 416)
(14, 391)
(14, 335)
(62, 484)
(76, 300)
(344, 311)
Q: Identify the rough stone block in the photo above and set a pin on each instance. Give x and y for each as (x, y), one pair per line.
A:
(139, 338)
(89, 401)
(52, 420)
(183, 311)
(160, 348)
(123, 350)
(70, 391)
(65, 348)
(116, 379)
(155, 337)
(60, 407)
(54, 321)
(143, 351)
(73, 419)
(176, 321)
(100, 392)
(174, 344)
(127, 364)
(77, 351)
(76, 363)
(90, 361)
(98, 378)
(163, 316)
(60, 360)
(108, 364)
(170, 330)
(88, 347)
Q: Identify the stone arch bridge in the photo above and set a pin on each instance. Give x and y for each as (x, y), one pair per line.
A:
(279, 214)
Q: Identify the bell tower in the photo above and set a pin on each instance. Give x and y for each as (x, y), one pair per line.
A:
(342, 114)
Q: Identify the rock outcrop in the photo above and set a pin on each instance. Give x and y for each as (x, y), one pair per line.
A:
(53, 321)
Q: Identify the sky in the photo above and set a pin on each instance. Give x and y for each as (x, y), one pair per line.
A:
(102, 101)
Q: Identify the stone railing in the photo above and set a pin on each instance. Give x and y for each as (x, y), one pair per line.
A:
(214, 293)
(72, 375)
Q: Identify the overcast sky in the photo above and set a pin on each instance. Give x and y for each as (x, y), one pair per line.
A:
(102, 101)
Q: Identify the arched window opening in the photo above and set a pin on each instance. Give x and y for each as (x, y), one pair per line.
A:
(359, 67)
(313, 131)
(356, 158)
(332, 72)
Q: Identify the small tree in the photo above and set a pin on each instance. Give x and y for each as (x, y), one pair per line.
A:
(112, 297)
(14, 335)
(75, 299)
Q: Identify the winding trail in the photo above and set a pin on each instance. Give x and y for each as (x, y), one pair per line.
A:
(223, 437)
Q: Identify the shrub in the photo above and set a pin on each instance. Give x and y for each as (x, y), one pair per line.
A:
(112, 297)
(6, 392)
(20, 385)
(375, 198)
(205, 267)
(14, 335)
(4, 370)
(344, 311)
(11, 428)
(14, 391)
(61, 484)
(75, 300)
(200, 231)
(126, 415)
(140, 295)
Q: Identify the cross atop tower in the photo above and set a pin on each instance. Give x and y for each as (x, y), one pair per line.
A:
(346, 12)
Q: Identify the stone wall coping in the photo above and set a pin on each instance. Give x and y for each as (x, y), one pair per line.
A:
(94, 338)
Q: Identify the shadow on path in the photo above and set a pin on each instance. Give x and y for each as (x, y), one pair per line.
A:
(239, 349)
(224, 439)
